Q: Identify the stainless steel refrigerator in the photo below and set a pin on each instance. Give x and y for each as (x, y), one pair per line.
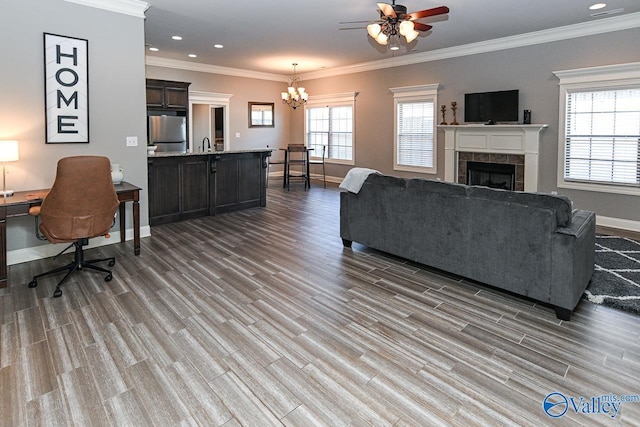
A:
(169, 133)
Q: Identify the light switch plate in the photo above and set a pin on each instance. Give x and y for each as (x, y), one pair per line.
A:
(132, 141)
(237, 134)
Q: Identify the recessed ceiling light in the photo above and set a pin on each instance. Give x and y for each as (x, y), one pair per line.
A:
(218, 46)
(176, 37)
(154, 49)
(607, 12)
(597, 6)
(193, 55)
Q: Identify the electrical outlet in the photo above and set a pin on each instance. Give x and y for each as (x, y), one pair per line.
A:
(237, 134)
(132, 141)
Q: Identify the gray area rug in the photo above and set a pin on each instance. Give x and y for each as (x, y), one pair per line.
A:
(616, 279)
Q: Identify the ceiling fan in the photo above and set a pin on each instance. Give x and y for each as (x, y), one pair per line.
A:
(395, 22)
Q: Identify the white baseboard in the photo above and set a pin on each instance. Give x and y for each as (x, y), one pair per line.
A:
(48, 250)
(623, 224)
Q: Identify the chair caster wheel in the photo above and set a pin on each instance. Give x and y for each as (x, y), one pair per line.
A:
(112, 263)
(33, 283)
(57, 293)
(108, 277)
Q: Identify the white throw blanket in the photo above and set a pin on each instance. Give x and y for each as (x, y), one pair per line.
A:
(355, 178)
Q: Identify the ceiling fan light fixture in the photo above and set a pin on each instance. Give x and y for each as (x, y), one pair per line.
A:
(393, 42)
(374, 30)
(395, 22)
(382, 39)
(406, 27)
(412, 36)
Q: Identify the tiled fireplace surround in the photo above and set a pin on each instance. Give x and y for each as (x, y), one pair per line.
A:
(509, 159)
(511, 144)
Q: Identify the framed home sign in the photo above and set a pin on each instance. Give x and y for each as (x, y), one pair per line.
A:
(66, 85)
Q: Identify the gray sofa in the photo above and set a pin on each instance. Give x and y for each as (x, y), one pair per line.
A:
(531, 244)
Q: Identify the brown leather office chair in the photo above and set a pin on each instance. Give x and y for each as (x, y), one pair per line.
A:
(81, 204)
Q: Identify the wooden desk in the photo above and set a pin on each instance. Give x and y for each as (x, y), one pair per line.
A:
(21, 201)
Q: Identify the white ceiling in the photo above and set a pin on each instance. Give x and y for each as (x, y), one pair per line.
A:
(269, 35)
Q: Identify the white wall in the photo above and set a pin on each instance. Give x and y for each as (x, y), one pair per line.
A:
(117, 106)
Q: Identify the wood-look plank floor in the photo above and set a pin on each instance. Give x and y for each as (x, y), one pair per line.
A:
(261, 317)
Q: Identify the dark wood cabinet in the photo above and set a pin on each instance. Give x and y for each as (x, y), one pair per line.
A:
(184, 187)
(178, 188)
(238, 181)
(167, 95)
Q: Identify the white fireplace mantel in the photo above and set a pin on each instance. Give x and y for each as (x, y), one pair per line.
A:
(494, 139)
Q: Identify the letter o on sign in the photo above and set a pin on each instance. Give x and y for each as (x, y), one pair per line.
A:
(66, 70)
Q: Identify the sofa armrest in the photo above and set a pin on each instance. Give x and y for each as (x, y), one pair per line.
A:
(574, 260)
(580, 223)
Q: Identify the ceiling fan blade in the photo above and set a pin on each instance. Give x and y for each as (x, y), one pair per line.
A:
(427, 12)
(419, 26)
(387, 10)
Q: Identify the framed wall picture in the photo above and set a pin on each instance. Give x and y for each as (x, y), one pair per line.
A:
(261, 114)
(66, 85)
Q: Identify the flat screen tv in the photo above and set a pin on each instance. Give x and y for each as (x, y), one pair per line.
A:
(491, 107)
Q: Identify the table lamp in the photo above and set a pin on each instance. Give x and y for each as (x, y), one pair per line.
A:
(8, 153)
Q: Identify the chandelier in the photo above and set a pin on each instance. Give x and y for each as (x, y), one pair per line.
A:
(389, 32)
(294, 96)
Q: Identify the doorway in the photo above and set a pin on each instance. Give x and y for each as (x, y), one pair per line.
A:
(209, 121)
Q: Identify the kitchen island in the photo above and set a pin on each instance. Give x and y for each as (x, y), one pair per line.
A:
(190, 185)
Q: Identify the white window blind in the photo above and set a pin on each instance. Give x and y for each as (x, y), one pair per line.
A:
(415, 125)
(602, 137)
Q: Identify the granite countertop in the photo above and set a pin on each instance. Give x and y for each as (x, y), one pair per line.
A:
(179, 154)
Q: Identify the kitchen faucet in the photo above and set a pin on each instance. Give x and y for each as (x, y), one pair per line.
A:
(208, 144)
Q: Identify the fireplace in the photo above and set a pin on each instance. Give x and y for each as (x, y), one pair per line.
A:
(504, 171)
(493, 175)
(511, 144)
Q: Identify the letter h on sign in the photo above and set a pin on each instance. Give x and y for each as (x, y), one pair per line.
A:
(66, 89)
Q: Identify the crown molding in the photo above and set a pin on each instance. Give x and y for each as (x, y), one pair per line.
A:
(135, 8)
(600, 73)
(601, 26)
(213, 69)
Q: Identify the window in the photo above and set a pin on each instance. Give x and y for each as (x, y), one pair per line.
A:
(329, 121)
(600, 130)
(415, 128)
(602, 136)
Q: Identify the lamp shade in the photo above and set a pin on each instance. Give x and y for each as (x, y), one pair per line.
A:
(9, 151)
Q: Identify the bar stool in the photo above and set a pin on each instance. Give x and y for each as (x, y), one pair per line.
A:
(321, 162)
(271, 162)
(297, 155)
